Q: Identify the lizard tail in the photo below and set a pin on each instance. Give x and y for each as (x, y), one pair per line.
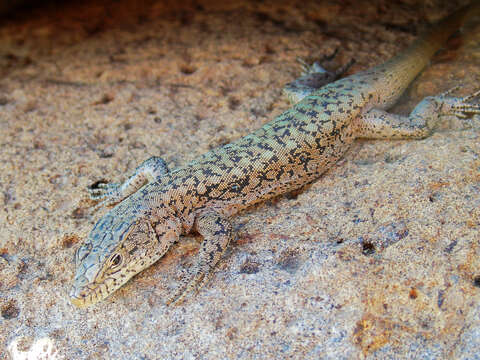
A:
(439, 33)
(418, 55)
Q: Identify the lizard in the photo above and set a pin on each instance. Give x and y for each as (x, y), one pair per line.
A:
(155, 206)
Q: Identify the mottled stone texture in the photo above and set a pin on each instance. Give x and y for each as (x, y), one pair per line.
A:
(378, 259)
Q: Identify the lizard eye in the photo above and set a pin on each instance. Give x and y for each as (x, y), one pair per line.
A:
(115, 260)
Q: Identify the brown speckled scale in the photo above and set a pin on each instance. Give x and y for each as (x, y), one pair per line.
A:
(156, 206)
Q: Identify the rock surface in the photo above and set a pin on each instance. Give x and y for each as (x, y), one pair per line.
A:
(380, 258)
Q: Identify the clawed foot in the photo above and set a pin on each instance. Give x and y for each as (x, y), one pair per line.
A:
(152, 169)
(313, 78)
(178, 296)
(101, 190)
(190, 283)
(107, 193)
(458, 106)
(308, 69)
(180, 293)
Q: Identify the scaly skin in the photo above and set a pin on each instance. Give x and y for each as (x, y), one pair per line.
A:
(155, 206)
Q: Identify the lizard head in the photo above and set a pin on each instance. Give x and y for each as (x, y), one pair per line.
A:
(116, 250)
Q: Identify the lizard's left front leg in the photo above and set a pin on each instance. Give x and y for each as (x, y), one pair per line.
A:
(378, 124)
(217, 233)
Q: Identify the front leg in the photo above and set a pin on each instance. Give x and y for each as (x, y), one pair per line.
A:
(217, 233)
(150, 170)
(313, 78)
(378, 124)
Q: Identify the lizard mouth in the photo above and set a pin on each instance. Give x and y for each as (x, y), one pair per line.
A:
(84, 293)
(78, 301)
(85, 296)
